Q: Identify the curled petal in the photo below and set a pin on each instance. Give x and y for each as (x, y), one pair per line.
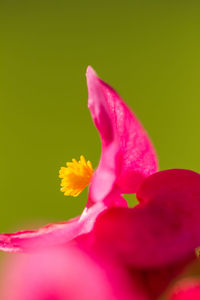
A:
(51, 235)
(127, 153)
(163, 229)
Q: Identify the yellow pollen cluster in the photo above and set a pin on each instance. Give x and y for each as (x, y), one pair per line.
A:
(76, 176)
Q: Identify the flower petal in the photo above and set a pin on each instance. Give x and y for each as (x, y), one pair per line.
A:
(127, 153)
(65, 274)
(187, 289)
(51, 235)
(163, 229)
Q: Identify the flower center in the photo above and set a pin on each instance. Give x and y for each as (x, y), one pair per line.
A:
(76, 176)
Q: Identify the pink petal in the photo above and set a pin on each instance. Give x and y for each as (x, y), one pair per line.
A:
(127, 153)
(53, 234)
(187, 289)
(163, 229)
(65, 274)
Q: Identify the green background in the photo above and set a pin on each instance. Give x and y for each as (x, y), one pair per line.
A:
(148, 50)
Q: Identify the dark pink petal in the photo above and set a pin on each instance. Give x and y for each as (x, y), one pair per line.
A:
(65, 274)
(163, 229)
(187, 289)
(127, 153)
(155, 281)
(53, 234)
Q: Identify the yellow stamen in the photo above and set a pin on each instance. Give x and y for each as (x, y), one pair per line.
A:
(76, 176)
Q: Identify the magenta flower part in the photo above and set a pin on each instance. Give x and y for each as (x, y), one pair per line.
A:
(187, 289)
(163, 228)
(65, 274)
(127, 153)
(127, 158)
(143, 248)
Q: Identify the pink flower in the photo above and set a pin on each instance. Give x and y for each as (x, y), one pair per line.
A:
(151, 242)
(127, 158)
(157, 238)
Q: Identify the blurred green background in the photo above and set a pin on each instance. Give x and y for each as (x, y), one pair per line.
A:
(148, 50)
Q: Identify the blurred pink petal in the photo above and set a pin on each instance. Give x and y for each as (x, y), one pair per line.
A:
(163, 229)
(65, 274)
(187, 289)
(127, 153)
(156, 280)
